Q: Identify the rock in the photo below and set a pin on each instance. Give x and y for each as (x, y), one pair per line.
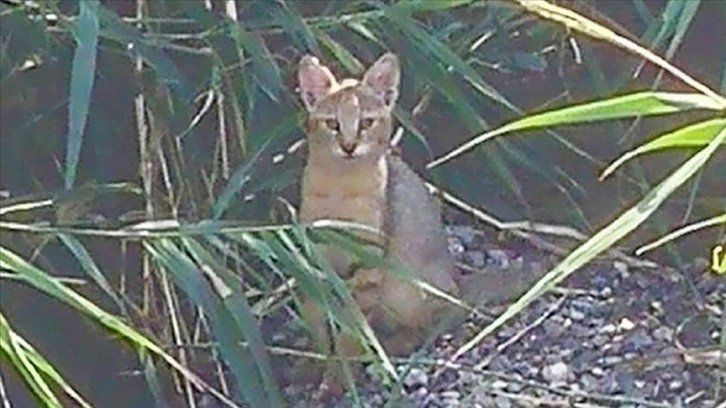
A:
(611, 360)
(621, 267)
(608, 329)
(664, 334)
(638, 341)
(675, 385)
(502, 402)
(476, 259)
(456, 247)
(597, 371)
(450, 399)
(498, 259)
(415, 378)
(557, 373)
(419, 396)
(588, 382)
(626, 325)
(464, 232)
(625, 381)
(599, 340)
(576, 314)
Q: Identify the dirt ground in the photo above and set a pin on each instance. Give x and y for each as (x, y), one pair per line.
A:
(610, 336)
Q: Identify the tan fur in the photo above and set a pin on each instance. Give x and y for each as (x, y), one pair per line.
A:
(350, 175)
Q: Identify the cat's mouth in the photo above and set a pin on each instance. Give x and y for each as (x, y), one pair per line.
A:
(350, 152)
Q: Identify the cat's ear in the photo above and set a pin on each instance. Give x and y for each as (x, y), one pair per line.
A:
(383, 78)
(315, 81)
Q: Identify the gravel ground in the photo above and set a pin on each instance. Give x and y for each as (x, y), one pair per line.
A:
(610, 337)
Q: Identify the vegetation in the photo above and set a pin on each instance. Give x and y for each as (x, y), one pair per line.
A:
(150, 152)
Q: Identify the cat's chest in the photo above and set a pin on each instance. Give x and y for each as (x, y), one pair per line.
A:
(357, 195)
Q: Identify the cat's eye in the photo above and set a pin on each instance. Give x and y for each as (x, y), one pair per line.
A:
(332, 124)
(367, 123)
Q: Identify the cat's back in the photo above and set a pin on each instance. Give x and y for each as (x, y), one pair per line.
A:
(414, 225)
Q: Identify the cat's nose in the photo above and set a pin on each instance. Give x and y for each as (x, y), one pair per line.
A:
(348, 147)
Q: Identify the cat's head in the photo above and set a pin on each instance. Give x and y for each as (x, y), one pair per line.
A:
(350, 119)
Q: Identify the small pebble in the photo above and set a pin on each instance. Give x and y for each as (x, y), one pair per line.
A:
(625, 380)
(416, 377)
(663, 333)
(476, 259)
(621, 267)
(463, 232)
(502, 402)
(597, 371)
(675, 385)
(609, 328)
(498, 258)
(638, 340)
(599, 340)
(456, 247)
(626, 325)
(611, 360)
(576, 315)
(588, 382)
(557, 373)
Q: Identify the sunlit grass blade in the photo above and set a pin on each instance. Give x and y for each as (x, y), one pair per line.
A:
(12, 351)
(83, 74)
(603, 239)
(696, 135)
(627, 106)
(581, 24)
(33, 368)
(693, 227)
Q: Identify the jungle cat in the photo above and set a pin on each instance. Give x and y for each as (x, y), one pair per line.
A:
(351, 175)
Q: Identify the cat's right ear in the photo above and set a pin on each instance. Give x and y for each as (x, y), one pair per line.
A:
(314, 80)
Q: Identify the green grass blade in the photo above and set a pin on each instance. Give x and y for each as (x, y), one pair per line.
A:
(581, 24)
(242, 175)
(128, 37)
(27, 371)
(696, 135)
(89, 266)
(627, 106)
(33, 368)
(186, 274)
(683, 21)
(603, 239)
(45, 283)
(82, 77)
(231, 292)
(400, 19)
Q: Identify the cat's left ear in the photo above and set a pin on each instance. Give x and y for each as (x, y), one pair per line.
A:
(383, 78)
